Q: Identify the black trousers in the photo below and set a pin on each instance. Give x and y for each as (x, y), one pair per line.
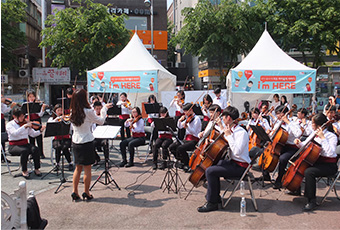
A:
(164, 143)
(3, 129)
(131, 143)
(63, 146)
(39, 140)
(24, 151)
(98, 143)
(180, 132)
(224, 168)
(204, 125)
(180, 151)
(317, 170)
(286, 153)
(124, 129)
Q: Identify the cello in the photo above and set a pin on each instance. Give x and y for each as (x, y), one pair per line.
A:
(270, 156)
(306, 156)
(212, 154)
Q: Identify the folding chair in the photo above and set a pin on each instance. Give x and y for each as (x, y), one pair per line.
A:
(4, 138)
(147, 129)
(331, 181)
(246, 176)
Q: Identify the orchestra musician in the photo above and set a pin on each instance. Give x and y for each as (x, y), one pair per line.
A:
(99, 144)
(284, 101)
(61, 143)
(238, 139)
(326, 163)
(214, 112)
(276, 102)
(256, 116)
(220, 100)
(136, 124)
(152, 100)
(331, 102)
(192, 124)
(304, 123)
(18, 132)
(31, 97)
(207, 102)
(164, 140)
(69, 92)
(6, 106)
(330, 113)
(290, 148)
(178, 103)
(82, 118)
(125, 107)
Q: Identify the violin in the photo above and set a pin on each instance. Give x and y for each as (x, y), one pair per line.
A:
(8, 101)
(35, 124)
(179, 100)
(135, 120)
(127, 104)
(189, 119)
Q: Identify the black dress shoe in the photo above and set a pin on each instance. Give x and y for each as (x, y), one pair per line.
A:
(42, 156)
(154, 166)
(86, 196)
(208, 207)
(310, 207)
(186, 168)
(75, 197)
(277, 185)
(122, 164)
(38, 174)
(130, 164)
(263, 178)
(295, 193)
(162, 166)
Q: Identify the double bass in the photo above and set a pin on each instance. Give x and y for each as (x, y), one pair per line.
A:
(305, 157)
(270, 156)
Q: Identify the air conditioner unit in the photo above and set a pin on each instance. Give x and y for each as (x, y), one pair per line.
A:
(24, 73)
(22, 62)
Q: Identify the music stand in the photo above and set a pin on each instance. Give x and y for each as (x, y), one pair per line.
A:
(33, 107)
(171, 177)
(152, 107)
(114, 110)
(57, 129)
(261, 133)
(197, 109)
(106, 132)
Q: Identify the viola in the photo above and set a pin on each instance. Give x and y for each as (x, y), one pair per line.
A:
(305, 157)
(127, 104)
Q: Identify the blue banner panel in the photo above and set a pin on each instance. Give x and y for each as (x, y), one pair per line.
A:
(273, 81)
(118, 82)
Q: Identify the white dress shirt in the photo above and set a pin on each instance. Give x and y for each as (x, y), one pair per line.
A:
(221, 101)
(124, 109)
(328, 144)
(239, 144)
(293, 130)
(83, 133)
(174, 103)
(193, 128)
(137, 127)
(307, 127)
(264, 123)
(5, 108)
(17, 132)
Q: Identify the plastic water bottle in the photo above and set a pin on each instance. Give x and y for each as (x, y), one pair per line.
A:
(243, 207)
(242, 188)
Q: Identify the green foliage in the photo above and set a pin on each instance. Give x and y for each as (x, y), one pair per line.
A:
(12, 13)
(171, 42)
(311, 26)
(85, 37)
(219, 31)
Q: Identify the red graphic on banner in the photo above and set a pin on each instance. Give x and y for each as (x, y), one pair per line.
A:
(248, 73)
(277, 78)
(100, 75)
(122, 79)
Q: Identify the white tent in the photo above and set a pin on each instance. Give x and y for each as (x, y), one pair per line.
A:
(266, 58)
(134, 58)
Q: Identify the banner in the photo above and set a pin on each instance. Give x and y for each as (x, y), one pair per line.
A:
(52, 75)
(118, 82)
(273, 81)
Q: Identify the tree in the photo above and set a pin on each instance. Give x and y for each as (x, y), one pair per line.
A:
(310, 26)
(219, 31)
(171, 43)
(12, 13)
(85, 37)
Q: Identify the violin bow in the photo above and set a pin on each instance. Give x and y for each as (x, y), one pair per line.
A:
(62, 102)
(38, 89)
(135, 99)
(196, 101)
(28, 107)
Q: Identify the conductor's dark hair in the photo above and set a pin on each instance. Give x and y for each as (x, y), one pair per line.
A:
(214, 106)
(78, 103)
(217, 91)
(187, 106)
(17, 112)
(164, 110)
(232, 112)
(281, 109)
(303, 111)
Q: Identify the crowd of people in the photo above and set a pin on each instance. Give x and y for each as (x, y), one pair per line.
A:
(85, 114)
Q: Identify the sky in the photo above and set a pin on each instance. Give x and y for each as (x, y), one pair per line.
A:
(168, 3)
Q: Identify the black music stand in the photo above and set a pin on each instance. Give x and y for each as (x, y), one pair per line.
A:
(171, 178)
(261, 133)
(152, 107)
(197, 109)
(106, 132)
(33, 107)
(114, 110)
(57, 129)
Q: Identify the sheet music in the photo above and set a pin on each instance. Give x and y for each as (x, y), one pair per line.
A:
(106, 132)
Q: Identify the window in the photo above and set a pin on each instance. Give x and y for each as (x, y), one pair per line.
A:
(132, 22)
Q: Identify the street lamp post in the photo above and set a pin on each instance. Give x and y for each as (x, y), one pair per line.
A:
(149, 3)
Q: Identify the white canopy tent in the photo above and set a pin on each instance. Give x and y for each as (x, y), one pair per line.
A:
(266, 56)
(134, 58)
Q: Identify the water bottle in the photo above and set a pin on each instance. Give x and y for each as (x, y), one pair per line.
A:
(242, 188)
(243, 207)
